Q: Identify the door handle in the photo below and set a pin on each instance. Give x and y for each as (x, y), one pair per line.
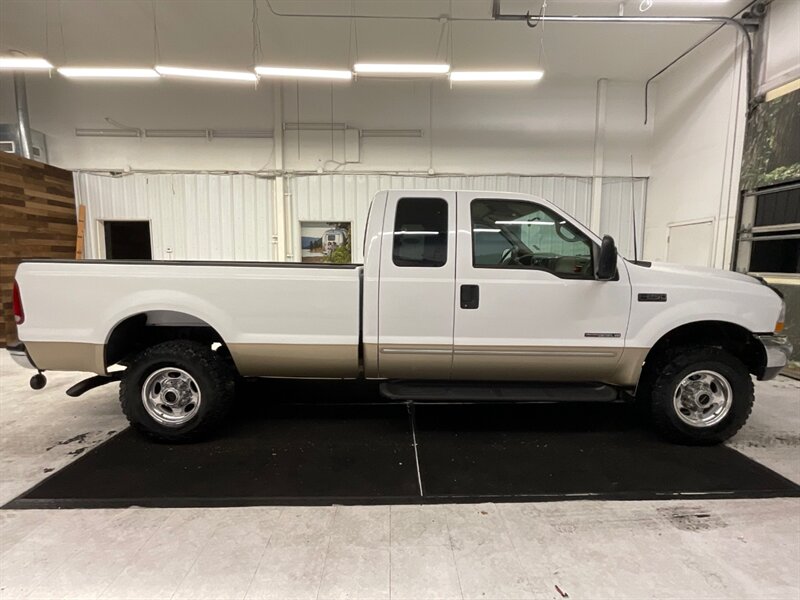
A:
(470, 296)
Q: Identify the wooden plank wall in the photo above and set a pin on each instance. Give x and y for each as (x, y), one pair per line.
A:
(37, 220)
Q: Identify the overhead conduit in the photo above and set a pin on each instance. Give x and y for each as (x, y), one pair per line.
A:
(534, 20)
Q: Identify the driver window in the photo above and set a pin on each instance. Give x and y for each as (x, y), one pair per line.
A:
(516, 234)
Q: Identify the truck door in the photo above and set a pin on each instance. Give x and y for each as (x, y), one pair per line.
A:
(528, 306)
(417, 285)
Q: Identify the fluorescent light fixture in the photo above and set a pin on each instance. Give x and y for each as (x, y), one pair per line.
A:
(23, 63)
(300, 73)
(498, 76)
(206, 74)
(107, 73)
(401, 69)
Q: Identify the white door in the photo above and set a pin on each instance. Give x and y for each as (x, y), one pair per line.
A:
(417, 283)
(528, 306)
(691, 243)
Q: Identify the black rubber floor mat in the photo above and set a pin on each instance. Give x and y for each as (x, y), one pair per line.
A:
(541, 452)
(286, 454)
(284, 447)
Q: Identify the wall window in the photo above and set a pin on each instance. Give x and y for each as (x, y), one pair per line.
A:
(420, 233)
(515, 234)
(769, 232)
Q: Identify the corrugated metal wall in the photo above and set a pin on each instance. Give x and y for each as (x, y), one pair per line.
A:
(201, 216)
(616, 216)
(346, 197)
(192, 216)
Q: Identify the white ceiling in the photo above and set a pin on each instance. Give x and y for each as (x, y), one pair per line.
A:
(218, 33)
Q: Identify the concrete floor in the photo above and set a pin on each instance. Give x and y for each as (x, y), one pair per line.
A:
(741, 549)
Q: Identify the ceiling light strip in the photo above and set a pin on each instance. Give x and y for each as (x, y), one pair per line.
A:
(303, 73)
(430, 69)
(107, 73)
(496, 76)
(24, 63)
(168, 71)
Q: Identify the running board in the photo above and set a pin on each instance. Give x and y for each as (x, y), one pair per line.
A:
(503, 391)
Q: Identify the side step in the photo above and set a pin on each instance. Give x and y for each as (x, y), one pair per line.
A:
(503, 391)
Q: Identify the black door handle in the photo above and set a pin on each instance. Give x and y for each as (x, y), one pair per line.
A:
(470, 296)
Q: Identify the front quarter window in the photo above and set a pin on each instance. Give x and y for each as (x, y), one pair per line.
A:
(517, 234)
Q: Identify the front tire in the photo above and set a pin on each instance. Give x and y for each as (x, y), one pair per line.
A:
(699, 395)
(177, 391)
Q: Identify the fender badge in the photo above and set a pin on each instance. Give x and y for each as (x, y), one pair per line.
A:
(652, 297)
(602, 335)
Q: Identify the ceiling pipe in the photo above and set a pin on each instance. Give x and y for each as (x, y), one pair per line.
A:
(23, 118)
(534, 20)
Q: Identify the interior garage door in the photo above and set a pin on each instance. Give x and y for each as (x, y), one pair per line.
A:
(691, 243)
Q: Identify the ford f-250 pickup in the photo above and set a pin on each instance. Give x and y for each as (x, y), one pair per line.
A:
(464, 295)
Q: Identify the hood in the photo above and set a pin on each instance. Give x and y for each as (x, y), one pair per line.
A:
(701, 272)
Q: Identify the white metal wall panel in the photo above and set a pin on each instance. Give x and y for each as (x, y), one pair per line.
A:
(196, 216)
(346, 197)
(616, 214)
(230, 217)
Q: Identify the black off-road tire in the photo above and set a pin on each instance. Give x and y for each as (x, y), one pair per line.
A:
(213, 373)
(668, 370)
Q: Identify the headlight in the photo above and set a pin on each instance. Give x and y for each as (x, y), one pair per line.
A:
(781, 318)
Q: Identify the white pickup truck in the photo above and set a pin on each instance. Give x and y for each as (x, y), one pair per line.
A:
(463, 295)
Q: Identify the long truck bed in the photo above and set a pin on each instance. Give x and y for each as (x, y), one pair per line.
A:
(277, 319)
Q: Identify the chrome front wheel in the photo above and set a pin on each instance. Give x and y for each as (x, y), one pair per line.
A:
(171, 396)
(703, 398)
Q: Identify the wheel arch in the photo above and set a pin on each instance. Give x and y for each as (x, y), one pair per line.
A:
(731, 337)
(146, 328)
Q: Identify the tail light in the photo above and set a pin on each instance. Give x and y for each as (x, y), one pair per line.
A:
(19, 312)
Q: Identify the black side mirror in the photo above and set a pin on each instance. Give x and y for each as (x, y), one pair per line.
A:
(607, 259)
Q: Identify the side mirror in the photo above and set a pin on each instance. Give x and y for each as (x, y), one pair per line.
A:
(607, 259)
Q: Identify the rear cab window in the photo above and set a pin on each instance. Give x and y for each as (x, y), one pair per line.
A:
(420, 233)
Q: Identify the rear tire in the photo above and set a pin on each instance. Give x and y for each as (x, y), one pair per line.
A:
(177, 391)
(698, 395)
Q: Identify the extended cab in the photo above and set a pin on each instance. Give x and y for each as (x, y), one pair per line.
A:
(468, 295)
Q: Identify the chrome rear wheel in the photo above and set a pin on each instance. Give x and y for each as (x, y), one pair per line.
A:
(178, 390)
(171, 396)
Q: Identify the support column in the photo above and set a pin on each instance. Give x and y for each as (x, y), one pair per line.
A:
(279, 234)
